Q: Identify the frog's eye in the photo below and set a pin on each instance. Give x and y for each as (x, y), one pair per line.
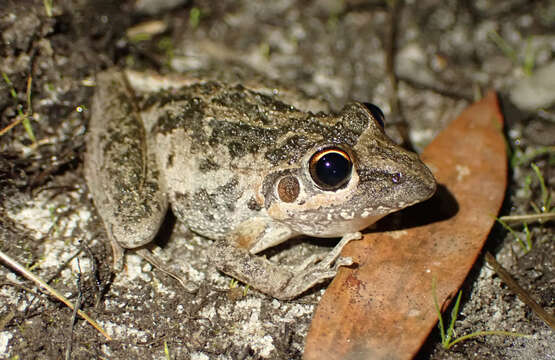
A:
(376, 113)
(330, 168)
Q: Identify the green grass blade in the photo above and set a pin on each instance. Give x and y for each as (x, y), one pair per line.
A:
(454, 314)
(438, 310)
(504, 46)
(546, 195)
(482, 333)
(509, 229)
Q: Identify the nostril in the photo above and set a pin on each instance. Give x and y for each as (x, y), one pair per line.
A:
(397, 178)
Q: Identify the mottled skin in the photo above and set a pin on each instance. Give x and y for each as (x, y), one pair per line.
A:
(216, 152)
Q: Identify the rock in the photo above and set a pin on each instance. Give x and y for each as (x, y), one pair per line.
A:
(536, 91)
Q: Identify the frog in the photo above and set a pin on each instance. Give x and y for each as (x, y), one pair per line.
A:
(244, 166)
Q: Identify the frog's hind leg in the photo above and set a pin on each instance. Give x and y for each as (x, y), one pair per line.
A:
(121, 173)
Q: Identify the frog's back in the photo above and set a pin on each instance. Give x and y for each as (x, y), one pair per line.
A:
(215, 144)
(213, 115)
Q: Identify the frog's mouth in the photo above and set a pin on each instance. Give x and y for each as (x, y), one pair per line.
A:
(342, 226)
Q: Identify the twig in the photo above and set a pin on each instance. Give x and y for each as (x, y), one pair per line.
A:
(527, 218)
(443, 91)
(6, 319)
(41, 283)
(74, 316)
(94, 271)
(390, 53)
(21, 287)
(519, 291)
(17, 120)
(153, 260)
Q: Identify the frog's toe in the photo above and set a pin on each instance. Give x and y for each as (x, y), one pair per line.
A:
(311, 276)
(343, 261)
(310, 261)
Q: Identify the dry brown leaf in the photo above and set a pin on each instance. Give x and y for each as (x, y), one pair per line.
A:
(384, 308)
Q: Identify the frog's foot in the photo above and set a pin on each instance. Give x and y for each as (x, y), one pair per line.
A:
(274, 279)
(332, 257)
(323, 270)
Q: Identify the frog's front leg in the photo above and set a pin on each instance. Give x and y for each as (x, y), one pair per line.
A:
(273, 279)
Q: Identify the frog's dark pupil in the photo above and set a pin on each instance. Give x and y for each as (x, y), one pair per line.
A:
(332, 170)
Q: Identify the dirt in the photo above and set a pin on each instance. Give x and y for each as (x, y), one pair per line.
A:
(447, 53)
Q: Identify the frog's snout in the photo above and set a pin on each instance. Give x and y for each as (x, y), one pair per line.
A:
(405, 180)
(425, 182)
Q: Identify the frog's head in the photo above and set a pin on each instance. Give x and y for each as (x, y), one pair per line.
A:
(347, 182)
